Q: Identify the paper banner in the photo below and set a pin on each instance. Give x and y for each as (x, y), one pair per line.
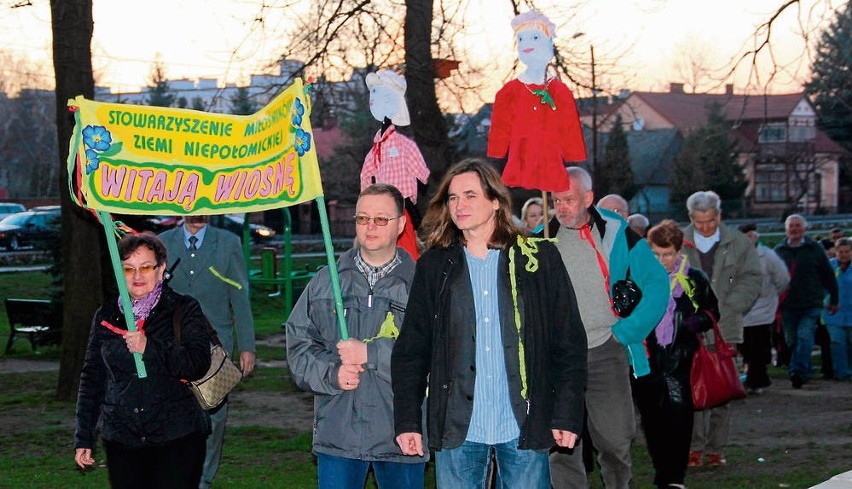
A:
(134, 159)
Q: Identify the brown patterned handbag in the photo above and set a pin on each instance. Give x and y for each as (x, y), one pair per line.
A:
(222, 376)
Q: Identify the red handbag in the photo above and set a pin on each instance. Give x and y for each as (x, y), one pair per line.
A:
(714, 376)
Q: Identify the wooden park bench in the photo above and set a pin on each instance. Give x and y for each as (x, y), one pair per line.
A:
(40, 320)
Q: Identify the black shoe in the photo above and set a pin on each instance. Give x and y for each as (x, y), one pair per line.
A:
(797, 381)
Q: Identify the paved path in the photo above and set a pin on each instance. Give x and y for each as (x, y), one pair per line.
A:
(15, 365)
(23, 268)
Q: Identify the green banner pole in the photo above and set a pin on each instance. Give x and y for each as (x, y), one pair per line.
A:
(288, 262)
(332, 268)
(123, 294)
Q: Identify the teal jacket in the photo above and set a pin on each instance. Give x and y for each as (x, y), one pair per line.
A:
(626, 249)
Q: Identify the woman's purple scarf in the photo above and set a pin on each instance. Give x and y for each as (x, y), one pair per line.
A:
(665, 328)
(143, 306)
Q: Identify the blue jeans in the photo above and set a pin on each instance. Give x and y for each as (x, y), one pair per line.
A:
(799, 329)
(841, 347)
(345, 473)
(467, 466)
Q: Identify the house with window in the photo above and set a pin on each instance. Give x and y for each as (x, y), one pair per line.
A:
(787, 160)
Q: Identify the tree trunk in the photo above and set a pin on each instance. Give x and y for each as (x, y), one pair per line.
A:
(81, 244)
(430, 128)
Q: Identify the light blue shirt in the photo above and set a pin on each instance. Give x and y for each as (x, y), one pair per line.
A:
(492, 420)
(199, 235)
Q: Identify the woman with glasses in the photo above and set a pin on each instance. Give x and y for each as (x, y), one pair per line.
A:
(154, 430)
(665, 396)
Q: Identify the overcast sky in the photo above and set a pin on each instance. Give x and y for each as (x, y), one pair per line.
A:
(646, 37)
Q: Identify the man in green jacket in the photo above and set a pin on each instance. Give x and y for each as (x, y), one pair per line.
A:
(729, 259)
(212, 270)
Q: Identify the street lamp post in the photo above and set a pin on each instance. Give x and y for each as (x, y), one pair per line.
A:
(594, 120)
(594, 111)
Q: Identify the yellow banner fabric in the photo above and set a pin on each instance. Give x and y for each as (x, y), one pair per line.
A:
(135, 159)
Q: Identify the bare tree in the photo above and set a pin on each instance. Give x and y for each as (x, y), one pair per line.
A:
(694, 67)
(27, 138)
(430, 130)
(339, 39)
(81, 237)
(760, 57)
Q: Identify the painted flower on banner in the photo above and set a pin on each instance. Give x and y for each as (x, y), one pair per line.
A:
(97, 138)
(98, 143)
(298, 111)
(93, 161)
(303, 141)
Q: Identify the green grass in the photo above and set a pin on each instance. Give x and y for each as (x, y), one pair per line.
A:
(268, 379)
(44, 458)
(268, 312)
(260, 456)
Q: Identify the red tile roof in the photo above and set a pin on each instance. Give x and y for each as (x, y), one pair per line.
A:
(687, 111)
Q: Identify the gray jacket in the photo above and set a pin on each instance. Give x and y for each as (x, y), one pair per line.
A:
(775, 280)
(736, 277)
(355, 424)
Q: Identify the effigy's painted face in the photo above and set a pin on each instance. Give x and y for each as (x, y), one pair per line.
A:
(535, 49)
(383, 103)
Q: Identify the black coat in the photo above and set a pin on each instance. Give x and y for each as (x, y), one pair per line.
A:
(671, 364)
(437, 342)
(159, 408)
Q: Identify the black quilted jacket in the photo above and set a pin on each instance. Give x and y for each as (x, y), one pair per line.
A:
(149, 411)
(672, 363)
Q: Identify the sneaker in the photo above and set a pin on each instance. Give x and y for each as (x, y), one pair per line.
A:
(694, 459)
(716, 460)
(755, 392)
(797, 381)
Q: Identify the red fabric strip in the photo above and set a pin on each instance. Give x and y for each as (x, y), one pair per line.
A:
(586, 234)
(140, 325)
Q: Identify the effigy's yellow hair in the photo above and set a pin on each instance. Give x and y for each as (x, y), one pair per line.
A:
(535, 20)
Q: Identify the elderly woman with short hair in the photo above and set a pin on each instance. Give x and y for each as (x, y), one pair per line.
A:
(154, 430)
(664, 396)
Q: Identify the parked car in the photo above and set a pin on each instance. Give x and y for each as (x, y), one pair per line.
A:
(156, 224)
(234, 224)
(32, 228)
(230, 222)
(9, 208)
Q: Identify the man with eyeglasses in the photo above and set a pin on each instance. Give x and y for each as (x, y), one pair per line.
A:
(731, 263)
(353, 407)
(212, 270)
(599, 249)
